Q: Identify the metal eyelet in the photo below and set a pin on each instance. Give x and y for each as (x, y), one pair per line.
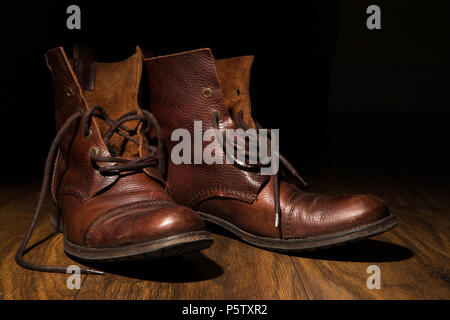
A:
(216, 113)
(95, 150)
(69, 92)
(207, 92)
(88, 135)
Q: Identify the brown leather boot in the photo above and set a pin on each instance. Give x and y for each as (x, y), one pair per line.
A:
(271, 212)
(107, 183)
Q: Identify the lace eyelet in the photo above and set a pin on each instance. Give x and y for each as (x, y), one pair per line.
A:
(207, 92)
(69, 92)
(94, 150)
(88, 136)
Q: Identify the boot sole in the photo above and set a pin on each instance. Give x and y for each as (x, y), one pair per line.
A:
(156, 249)
(306, 244)
(151, 250)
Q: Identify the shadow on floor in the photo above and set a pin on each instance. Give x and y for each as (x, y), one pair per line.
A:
(39, 242)
(186, 268)
(191, 267)
(368, 250)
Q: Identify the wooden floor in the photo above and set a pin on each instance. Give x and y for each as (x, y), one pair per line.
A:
(414, 258)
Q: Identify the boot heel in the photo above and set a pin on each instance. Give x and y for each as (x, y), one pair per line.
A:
(56, 218)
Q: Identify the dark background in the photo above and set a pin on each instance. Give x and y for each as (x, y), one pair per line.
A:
(341, 95)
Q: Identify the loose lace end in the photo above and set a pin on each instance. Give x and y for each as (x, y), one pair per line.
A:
(90, 271)
(277, 220)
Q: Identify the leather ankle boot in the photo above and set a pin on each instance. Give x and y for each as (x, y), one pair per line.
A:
(107, 184)
(268, 211)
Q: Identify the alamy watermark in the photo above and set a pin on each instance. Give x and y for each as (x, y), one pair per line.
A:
(74, 20)
(74, 280)
(373, 22)
(227, 146)
(374, 281)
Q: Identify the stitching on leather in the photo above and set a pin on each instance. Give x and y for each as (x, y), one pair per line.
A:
(70, 189)
(68, 77)
(289, 216)
(212, 190)
(62, 65)
(68, 72)
(117, 211)
(54, 184)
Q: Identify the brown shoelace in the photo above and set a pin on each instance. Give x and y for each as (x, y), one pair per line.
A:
(153, 159)
(240, 124)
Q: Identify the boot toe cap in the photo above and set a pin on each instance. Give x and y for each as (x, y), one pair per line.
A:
(366, 209)
(328, 215)
(143, 225)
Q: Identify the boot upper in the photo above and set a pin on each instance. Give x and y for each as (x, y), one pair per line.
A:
(107, 210)
(188, 87)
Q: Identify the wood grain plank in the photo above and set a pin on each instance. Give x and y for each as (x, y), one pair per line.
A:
(17, 204)
(413, 258)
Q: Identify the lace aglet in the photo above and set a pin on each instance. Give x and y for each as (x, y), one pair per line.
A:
(90, 271)
(303, 181)
(277, 220)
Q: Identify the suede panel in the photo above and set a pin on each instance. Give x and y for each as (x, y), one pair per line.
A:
(116, 89)
(234, 79)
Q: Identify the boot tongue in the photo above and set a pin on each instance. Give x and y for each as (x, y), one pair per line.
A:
(234, 79)
(116, 89)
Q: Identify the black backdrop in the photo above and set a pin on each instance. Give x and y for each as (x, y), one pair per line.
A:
(338, 92)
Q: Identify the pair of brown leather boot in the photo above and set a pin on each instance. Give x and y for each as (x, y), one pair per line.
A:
(119, 196)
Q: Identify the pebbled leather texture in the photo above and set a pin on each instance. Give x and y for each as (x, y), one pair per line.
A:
(107, 211)
(176, 84)
(240, 197)
(80, 180)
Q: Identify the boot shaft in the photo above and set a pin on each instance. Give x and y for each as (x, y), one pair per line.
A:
(115, 87)
(80, 84)
(185, 88)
